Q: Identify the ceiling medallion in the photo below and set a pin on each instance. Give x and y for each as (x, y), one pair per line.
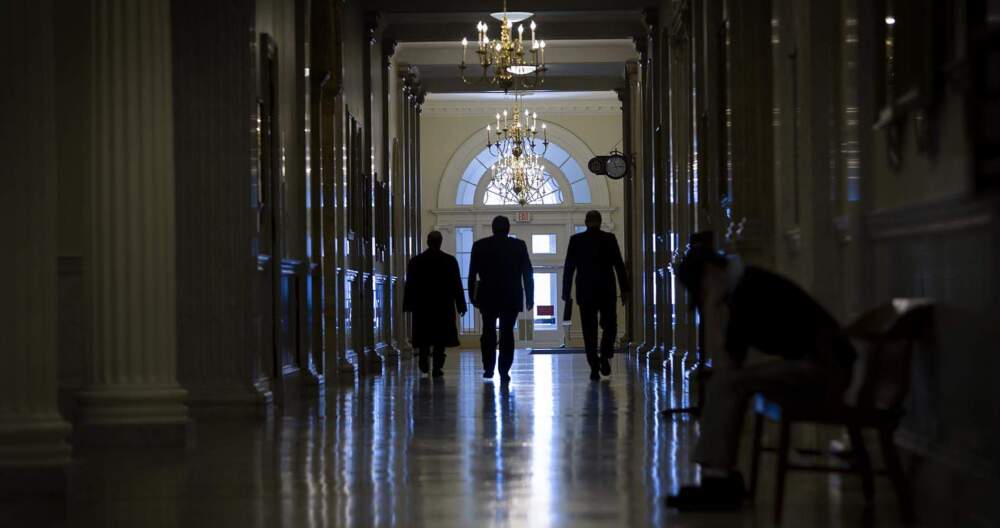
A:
(508, 60)
(518, 173)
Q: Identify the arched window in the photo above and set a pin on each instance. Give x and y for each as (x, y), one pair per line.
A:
(559, 165)
(551, 193)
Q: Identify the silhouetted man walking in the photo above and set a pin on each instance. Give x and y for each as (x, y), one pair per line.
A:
(432, 294)
(593, 256)
(502, 265)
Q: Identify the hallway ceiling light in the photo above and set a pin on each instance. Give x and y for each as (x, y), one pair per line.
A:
(519, 179)
(508, 61)
(518, 172)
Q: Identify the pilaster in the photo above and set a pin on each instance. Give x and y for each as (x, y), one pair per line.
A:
(216, 344)
(131, 395)
(634, 215)
(650, 130)
(33, 447)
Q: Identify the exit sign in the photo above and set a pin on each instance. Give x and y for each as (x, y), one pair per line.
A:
(523, 217)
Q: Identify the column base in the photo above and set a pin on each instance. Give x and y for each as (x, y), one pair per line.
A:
(34, 455)
(656, 356)
(313, 382)
(33, 482)
(386, 351)
(371, 361)
(230, 399)
(126, 417)
(135, 435)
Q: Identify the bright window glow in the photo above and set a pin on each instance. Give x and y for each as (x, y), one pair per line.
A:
(545, 305)
(552, 194)
(463, 252)
(543, 244)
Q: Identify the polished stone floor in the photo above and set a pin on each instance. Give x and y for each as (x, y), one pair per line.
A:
(553, 449)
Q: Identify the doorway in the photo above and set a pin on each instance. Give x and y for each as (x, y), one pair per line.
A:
(542, 326)
(546, 315)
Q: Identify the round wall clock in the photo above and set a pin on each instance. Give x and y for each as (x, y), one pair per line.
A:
(616, 166)
(596, 165)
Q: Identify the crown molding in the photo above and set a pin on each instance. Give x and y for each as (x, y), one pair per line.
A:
(489, 108)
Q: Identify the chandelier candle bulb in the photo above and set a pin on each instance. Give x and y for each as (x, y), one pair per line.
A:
(505, 59)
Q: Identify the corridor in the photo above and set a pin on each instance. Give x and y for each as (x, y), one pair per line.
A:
(403, 450)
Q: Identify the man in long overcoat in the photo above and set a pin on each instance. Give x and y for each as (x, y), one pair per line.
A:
(433, 293)
(500, 283)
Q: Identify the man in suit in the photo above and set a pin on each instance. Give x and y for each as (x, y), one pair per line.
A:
(748, 307)
(506, 280)
(593, 256)
(433, 292)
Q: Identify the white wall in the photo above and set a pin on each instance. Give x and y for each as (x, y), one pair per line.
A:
(450, 132)
(446, 125)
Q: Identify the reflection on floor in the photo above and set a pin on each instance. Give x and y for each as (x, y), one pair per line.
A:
(399, 450)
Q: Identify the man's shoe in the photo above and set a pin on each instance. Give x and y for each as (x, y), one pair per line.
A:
(605, 367)
(714, 494)
(437, 373)
(594, 375)
(504, 378)
(487, 374)
(424, 364)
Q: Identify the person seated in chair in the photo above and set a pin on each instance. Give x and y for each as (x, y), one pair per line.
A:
(747, 307)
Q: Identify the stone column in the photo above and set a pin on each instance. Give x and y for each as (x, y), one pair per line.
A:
(640, 196)
(682, 167)
(33, 448)
(636, 213)
(750, 88)
(418, 234)
(650, 126)
(400, 213)
(131, 395)
(624, 93)
(215, 267)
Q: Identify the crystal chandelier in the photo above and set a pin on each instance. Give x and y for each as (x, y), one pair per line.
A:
(518, 173)
(508, 60)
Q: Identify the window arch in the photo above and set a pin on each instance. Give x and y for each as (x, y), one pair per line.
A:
(559, 164)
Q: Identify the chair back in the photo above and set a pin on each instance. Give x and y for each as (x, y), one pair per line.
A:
(890, 332)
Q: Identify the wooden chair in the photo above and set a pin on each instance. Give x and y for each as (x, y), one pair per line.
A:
(890, 332)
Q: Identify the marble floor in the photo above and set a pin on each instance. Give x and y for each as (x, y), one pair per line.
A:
(553, 449)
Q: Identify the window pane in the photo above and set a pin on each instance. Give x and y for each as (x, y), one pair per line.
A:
(463, 248)
(466, 193)
(545, 301)
(556, 154)
(572, 171)
(545, 243)
(473, 173)
(581, 192)
(486, 158)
